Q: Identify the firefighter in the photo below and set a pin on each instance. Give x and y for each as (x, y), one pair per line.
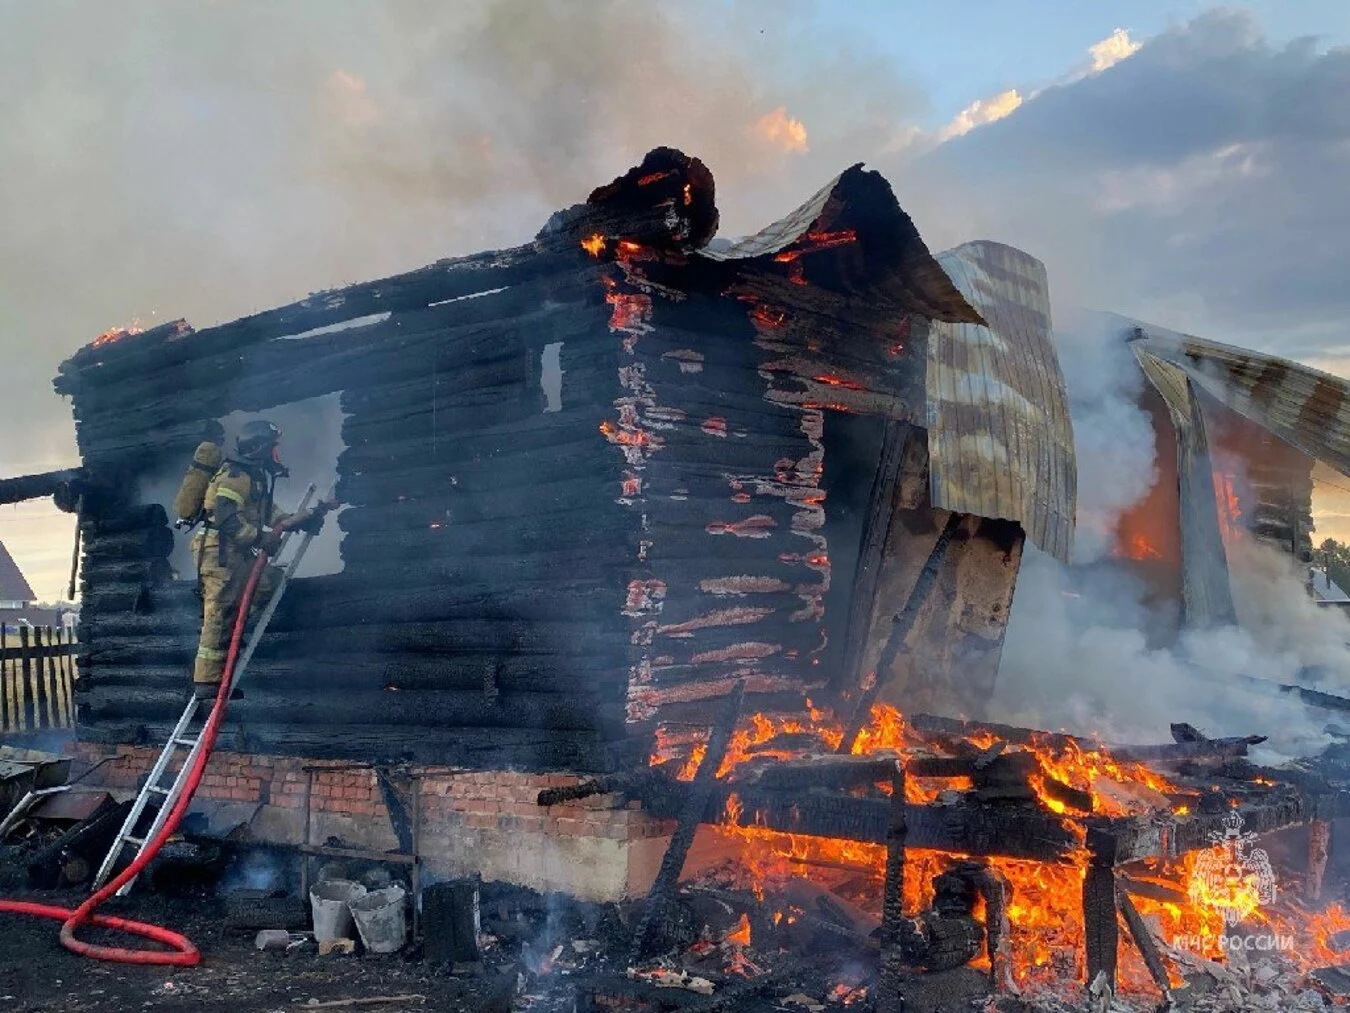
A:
(239, 520)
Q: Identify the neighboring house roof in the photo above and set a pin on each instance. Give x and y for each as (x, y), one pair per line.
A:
(13, 585)
(999, 438)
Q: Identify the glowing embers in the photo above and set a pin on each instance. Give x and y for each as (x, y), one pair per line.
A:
(116, 334)
(631, 311)
(813, 242)
(594, 244)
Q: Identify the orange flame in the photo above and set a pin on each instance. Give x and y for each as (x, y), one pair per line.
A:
(594, 244)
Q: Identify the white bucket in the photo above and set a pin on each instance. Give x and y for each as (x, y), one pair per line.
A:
(332, 916)
(381, 919)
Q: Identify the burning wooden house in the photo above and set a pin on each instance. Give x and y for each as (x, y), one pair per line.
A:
(613, 487)
(594, 480)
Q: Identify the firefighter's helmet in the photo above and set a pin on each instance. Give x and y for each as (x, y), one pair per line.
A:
(259, 442)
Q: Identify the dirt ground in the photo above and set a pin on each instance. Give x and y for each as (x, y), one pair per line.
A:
(37, 974)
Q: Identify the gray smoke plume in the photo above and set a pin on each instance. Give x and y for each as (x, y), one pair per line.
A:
(1078, 654)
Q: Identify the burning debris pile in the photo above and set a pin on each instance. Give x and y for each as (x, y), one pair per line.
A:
(941, 857)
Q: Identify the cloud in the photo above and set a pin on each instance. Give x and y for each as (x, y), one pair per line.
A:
(782, 131)
(1111, 50)
(980, 112)
(1204, 172)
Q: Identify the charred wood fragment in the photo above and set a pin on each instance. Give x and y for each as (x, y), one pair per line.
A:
(900, 629)
(692, 813)
(1143, 941)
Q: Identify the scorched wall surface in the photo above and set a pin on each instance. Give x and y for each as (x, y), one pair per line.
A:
(536, 568)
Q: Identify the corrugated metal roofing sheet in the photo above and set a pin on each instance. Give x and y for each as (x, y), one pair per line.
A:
(779, 234)
(999, 437)
(1305, 407)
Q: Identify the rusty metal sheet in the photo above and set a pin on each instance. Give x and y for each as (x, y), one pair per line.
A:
(999, 437)
(1305, 407)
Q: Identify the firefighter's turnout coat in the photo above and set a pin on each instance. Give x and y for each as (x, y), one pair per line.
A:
(237, 506)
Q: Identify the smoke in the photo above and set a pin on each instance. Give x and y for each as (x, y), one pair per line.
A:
(1081, 650)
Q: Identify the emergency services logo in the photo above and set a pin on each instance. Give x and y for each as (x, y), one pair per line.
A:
(1236, 878)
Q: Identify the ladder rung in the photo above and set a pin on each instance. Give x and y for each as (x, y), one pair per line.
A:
(189, 743)
(138, 841)
(157, 789)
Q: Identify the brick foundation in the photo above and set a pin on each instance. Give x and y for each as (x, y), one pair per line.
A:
(478, 821)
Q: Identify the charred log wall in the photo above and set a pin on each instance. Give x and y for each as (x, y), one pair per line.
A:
(472, 621)
(535, 573)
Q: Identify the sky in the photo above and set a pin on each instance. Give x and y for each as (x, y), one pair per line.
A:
(1174, 161)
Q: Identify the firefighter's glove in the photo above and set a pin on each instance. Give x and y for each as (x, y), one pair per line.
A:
(307, 523)
(271, 542)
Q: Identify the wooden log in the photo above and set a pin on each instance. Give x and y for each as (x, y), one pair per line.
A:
(143, 543)
(1187, 751)
(890, 982)
(692, 813)
(124, 518)
(26, 487)
(536, 750)
(666, 202)
(1143, 941)
(166, 347)
(309, 705)
(1100, 930)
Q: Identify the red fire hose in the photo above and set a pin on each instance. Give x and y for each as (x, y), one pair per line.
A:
(183, 953)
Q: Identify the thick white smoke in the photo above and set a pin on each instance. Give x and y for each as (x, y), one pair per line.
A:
(1078, 654)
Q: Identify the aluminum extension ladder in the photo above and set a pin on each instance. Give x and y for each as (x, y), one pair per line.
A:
(181, 738)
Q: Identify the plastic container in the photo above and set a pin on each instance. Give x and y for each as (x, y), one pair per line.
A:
(329, 902)
(381, 918)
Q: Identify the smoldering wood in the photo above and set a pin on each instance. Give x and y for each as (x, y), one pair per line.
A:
(26, 487)
(895, 933)
(699, 792)
(1101, 932)
(901, 626)
(1182, 751)
(1143, 941)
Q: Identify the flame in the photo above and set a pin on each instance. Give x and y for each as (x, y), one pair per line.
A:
(117, 334)
(1229, 511)
(838, 381)
(594, 244)
(740, 935)
(1138, 547)
(815, 241)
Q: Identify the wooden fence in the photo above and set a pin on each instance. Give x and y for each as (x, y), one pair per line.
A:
(37, 678)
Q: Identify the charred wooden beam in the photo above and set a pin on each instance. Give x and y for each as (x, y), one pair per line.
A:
(1143, 941)
(667, 202)
(1101, 931)
(890, 982)
(26, 487)
(944, 728)
(900, 629)
(1184, 751)
(695, 805)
